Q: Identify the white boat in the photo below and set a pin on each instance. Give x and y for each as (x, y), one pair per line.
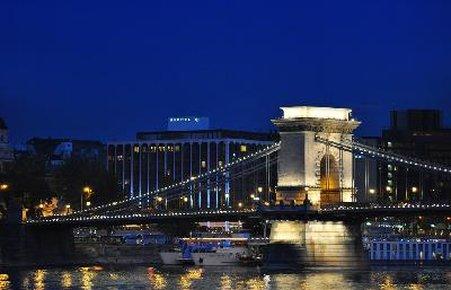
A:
(175, 258)
(219, 257)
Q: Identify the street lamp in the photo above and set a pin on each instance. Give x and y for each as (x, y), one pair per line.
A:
(67, 209)
(88, 203)
(4, 186)
(183, 201)
(414, 189)
(88, 191)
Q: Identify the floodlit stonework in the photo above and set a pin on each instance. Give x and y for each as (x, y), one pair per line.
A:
(306, 166)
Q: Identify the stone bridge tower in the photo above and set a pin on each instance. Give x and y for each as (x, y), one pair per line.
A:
(306, 166)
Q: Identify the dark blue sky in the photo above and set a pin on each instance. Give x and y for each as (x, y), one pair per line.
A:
(106, 69)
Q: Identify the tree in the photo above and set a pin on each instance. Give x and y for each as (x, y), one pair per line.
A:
(77, 173)
(28, 180)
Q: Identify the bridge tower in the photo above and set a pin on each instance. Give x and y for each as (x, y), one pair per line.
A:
(309, 168)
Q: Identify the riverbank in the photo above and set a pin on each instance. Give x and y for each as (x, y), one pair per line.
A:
(90, 254)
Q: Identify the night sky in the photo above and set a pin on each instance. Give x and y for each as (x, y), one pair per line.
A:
(106, 69)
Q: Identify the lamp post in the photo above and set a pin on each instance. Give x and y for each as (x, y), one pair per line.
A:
(88, 191)
(3, 188)
(183, 202)
(158, 200)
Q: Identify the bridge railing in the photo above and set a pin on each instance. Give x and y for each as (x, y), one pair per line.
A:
(375, 206)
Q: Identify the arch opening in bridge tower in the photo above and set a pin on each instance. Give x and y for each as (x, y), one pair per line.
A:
(329, 180)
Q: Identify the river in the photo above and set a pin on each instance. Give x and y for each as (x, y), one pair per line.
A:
(153, 277)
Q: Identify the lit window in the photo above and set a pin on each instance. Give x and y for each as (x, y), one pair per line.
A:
(136, 149)
(243, 148)
(204, 164)
(389, 144)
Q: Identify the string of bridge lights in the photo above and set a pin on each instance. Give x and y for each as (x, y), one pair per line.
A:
(219, 212)
(54, 219)
(374, 152)
(262, 152)
(384, 207)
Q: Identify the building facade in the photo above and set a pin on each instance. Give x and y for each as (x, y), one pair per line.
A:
(158, 159)
(420, 134)
(55, 151)
(6, 153)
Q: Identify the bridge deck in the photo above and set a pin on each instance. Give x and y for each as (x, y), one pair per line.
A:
(338, 213)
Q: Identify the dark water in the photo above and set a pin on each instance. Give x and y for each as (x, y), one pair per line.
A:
(140, 277)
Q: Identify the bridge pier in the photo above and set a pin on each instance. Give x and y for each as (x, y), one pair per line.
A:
(50, 244)
(295, 244)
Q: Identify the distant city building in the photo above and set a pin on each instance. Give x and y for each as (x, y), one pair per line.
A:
(158, 159)
(6, 153)
(420, 134)
(56, 151)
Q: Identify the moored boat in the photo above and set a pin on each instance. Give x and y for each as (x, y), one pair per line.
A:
(177, 256)
(219, 256)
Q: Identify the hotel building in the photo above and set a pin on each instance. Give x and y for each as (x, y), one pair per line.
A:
(189, 148)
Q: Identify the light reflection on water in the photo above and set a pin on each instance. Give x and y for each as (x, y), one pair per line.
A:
(223, 278)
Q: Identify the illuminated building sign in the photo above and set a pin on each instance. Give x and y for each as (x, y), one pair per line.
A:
(188, 123)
